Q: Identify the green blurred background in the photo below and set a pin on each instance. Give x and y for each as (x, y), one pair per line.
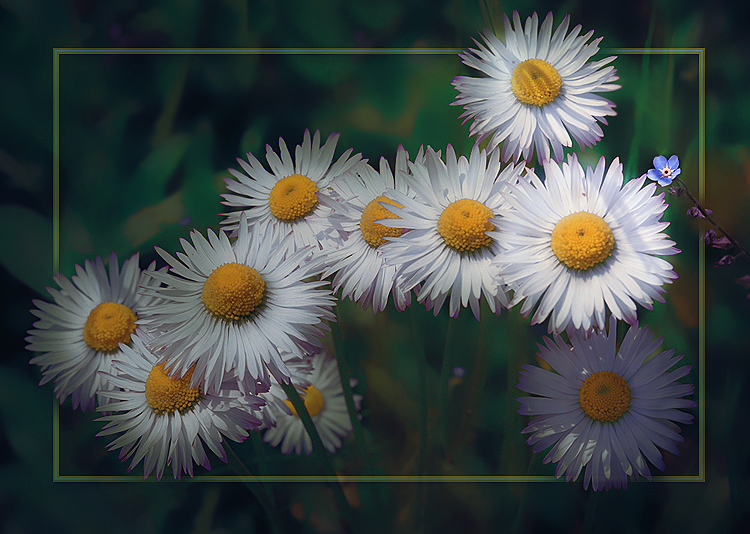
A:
(144, 142)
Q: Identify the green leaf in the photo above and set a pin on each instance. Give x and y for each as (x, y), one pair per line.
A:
(28, 430)
(202, 185)
(26, 245)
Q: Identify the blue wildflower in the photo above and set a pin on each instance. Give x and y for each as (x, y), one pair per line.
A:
(665, 171)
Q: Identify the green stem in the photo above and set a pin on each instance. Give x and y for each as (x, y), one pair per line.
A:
(259, 453)
(444, 394)
(419, 347)
(319, 449)
(359, 434)
(516, 353)
(345, 376)
(642, 100)
(478, 375)
(256, 488)
(668, 92)
(523, 503)
(589, 518)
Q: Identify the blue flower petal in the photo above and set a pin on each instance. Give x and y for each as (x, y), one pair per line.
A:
(674, 162)
(654, 175)
(660, 162)
(664, 181)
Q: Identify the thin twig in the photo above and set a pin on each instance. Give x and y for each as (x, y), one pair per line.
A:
(708, 216)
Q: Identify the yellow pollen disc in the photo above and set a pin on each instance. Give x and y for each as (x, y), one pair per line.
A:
(108, 325)
(313, 401)
(166, 395)
(463, 225)
(604, 396)
(233, 291)
(293, 197)
(582, 240)
(535, 82)
(374, 232)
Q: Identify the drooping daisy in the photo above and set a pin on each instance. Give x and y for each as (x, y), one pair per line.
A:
(539, 90)
(447, 245)
(300, 367)
(324, 400)
(360, 271)
(580, 244)
(79, 334)
(232, 308)
(603, 408)
(282, 201)
(166, 421)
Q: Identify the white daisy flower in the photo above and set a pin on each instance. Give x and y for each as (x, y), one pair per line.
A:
(324, 400)
(447, 245)
(165, 421)
(231, 308)
(300, 367)
(79, 334)
(583, 243)
(539, 89)
(281, 202)
(360, 271)
(603, 408)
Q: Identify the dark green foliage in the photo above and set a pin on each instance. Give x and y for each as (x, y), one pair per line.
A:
(145, 141)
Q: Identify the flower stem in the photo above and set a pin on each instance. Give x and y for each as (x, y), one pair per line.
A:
(444, 393)
(708, 216)
(258, 490)
(359, 434)
(512, 448)
(319, 449)
(421, 355)
(523, 503)
(590, 517)
(345, 376)
(475, 387)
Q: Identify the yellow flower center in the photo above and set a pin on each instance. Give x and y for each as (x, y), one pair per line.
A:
(375, 232)
(604, 396)
(463, 225)
(166, 395)
(233, 291)
(582, 240)
(535, 82)
(293, 197)
(313, 401)
(108, 325)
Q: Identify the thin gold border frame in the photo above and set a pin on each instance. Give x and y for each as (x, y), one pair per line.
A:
(57, 52)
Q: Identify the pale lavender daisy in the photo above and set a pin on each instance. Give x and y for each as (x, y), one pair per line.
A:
(609, 410)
